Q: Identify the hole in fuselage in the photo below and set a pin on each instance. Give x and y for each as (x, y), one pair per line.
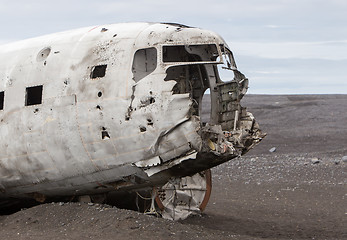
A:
(98, 71)
(149, 122)
(143, 129)
(104, 134)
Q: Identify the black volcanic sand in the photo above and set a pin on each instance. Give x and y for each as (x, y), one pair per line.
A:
(297, 192)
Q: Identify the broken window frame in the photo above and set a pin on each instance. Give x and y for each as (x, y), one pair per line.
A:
(228, 58)
(225, 61)
(98, 71)
(227, 65)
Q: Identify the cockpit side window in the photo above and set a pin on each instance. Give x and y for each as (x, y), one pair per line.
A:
(145, 62)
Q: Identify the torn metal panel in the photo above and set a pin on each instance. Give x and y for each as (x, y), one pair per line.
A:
(148, 162)
(158, 168)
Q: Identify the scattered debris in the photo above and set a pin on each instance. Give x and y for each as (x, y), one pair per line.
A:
(315, 160)
(272, 149)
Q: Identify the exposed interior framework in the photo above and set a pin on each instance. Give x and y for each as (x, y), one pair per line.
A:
(230, 130)
(195, 70)
(190, 79)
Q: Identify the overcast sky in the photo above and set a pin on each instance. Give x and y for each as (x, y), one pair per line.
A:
(282, 46)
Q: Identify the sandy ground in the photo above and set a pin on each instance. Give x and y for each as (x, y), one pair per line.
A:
(297, 192)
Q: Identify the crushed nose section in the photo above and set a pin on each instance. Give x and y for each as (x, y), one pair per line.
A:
(247, 135)
(232, 143)
(233, 130)
(230, 131)
(190, 145)
(216, 142)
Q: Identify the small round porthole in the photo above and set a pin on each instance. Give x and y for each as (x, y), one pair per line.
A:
(43, 54)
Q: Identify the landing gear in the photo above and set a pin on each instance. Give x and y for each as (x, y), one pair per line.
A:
(181, 197)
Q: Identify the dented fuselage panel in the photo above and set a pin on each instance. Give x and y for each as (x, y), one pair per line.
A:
(120, 108)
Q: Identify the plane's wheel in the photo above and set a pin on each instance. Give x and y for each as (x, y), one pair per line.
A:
(182, 197)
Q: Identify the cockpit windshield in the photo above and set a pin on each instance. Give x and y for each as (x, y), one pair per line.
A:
(190, 53)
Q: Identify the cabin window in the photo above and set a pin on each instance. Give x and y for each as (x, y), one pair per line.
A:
(145, 62)
(33, 95)
(190, 53)
(2, 95)
(98, 71)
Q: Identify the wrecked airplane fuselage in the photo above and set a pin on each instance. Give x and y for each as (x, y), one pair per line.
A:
(117, 107)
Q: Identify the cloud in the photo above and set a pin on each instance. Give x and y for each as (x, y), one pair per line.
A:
(4, 41)
(293, 76)
(328, 50)
(278, 44)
